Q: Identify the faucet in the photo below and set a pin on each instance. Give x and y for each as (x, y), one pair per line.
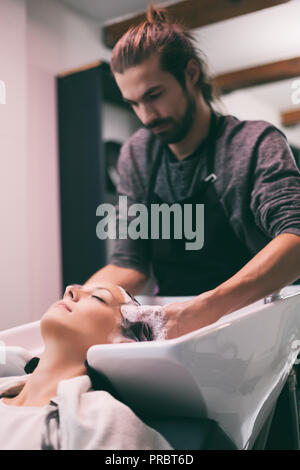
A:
(273, 297)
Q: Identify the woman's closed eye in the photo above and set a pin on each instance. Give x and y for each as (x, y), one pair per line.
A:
(99, 298)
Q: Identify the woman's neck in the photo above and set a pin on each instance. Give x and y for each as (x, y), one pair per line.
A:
(42, 385)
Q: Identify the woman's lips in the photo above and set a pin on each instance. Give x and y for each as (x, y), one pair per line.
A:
(63, 305)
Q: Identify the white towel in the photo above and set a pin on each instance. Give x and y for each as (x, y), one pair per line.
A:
(94, 420)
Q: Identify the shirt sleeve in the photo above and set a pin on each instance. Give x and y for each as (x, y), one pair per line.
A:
(275, 195)
(130, 253)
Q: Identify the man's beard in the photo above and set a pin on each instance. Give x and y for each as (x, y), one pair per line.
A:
(178, 130)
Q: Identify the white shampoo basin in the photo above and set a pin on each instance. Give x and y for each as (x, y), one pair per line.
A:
(231, 371)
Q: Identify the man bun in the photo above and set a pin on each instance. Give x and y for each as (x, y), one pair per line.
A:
(156, 15)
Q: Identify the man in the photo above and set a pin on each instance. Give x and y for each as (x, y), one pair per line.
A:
(242, 171)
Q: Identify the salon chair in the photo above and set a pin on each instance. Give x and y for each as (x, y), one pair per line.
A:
(190, 433)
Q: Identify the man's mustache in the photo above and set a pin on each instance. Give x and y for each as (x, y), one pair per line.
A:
(157, 124)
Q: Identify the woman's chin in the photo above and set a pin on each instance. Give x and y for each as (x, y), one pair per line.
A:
(53, 318)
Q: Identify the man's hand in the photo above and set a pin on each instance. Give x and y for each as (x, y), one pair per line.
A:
(275, 266)
(190, 315)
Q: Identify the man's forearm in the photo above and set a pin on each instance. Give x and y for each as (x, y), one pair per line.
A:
(275, 266)
(130, 279)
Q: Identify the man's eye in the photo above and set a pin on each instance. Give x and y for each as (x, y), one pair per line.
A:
(153, 97)
(99, 298)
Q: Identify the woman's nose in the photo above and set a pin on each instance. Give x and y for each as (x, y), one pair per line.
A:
(73, 292)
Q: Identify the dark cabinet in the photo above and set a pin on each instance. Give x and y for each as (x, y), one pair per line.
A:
(82, 176)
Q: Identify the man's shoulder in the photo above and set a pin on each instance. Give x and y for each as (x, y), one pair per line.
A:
(139, 141)
(136, 153)
(247, 130)
(238, 145)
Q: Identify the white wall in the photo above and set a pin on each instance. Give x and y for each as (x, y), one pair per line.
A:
(57, 40)
(244, 105)
(14, 203)
(60, 39)
(38, 40)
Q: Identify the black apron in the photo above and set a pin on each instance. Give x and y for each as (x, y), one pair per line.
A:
(179, 271)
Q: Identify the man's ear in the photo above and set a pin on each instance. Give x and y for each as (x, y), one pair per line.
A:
(192, 71)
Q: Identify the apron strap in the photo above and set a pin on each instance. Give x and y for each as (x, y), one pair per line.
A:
(157, 147)
(212, 138)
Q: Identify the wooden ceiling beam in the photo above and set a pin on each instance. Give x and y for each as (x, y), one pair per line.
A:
(192, 14)
(259, 75)
(290, 117)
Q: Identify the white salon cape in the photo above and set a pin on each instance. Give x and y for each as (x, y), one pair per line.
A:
(88, 420)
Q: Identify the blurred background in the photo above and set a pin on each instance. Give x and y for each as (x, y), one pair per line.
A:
(62, 121)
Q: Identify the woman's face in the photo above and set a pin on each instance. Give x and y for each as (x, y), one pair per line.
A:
(86, 315)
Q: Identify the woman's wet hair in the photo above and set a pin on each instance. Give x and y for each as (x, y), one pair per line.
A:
(136, 330)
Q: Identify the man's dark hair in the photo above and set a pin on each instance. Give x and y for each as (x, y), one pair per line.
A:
(173, 44)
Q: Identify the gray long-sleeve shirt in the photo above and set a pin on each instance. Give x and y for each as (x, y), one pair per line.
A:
(258, 183)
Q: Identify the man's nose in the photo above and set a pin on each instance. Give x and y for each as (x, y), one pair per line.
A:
(73, 292)
(147, 114)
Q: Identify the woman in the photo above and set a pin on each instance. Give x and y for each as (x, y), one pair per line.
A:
(54, 407)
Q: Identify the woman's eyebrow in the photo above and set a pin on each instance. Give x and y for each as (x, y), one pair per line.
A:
(92, 288)
(101, 288)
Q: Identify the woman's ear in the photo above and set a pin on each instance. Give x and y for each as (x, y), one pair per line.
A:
(121, 339)
(126, 340)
